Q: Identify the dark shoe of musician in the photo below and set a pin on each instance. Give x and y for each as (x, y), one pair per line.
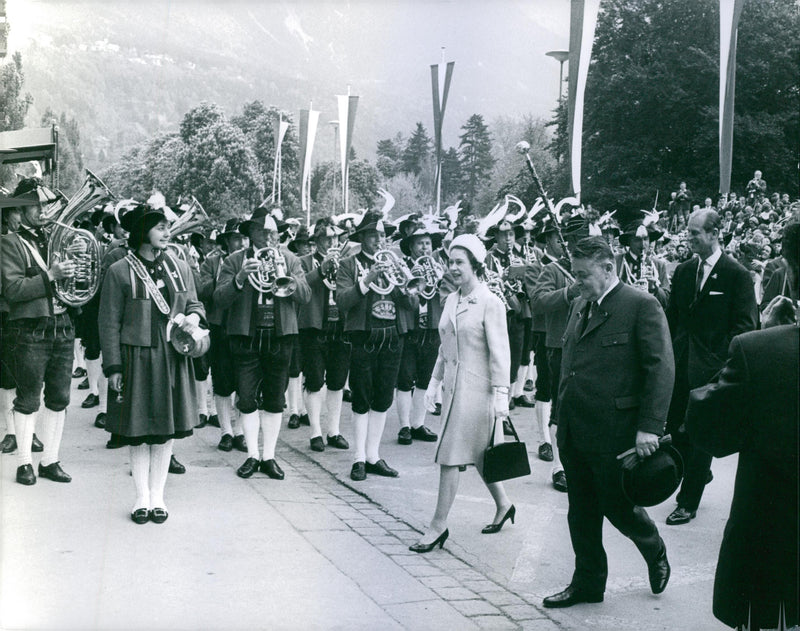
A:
(25, 475)
(546, 452)
(36, 445)
(213, 420)
(54, 472)
(9, 444)
(158, 515)
(100, 420)
(528, 387)
(493, 528)
(175, 466)
(225, 443)
(523, 402)
(294, 421)
(78, 373)
(317, 444)
(91, 401)
(84, 385)
(658, 571)
(680, 516)
(202, 421)
(338, 442)
(512, 405)
(347, 395)
(560, 481)
(115, 442)
(271, 468)
(140, 516)
(427, 547)
(248, 468)
(304, 420)
(424, 434)
(358, 472)
(381, 468)
(239, 443)
(507, 431)
(437, 409)
(571, 596)
(404, 436)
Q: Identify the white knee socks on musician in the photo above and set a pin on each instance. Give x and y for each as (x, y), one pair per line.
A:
(271, 427)
(293, 392)
(7, 409)
(52, 429)
(557, 466)
(140, 470)
(314, 407)
(78, 355)
(26, 426)
(250, 424)
(403, 401)
(94, 370)
(377, 421)
(224, 407)
(159, 469)
(201, 387)
(333, 402)
(360, 430)
(543, 417)
(418, 408)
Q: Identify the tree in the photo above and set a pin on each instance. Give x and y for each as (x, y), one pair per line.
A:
(389, 155)
(417, 151)
(475, 152)
(451, 176)
(13, 104)
(199, 118)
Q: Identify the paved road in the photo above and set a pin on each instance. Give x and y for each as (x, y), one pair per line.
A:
(317, 551)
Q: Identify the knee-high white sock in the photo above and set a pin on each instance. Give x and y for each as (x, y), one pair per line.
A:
(314, 406)
(418, 408)
(438, 398)
(140, 470)
(212, 402)
(202, 400)
(403, 400)
(531, 372)
(516, 387)
(557, 466)
(360, 427)
(377, 420)
(52, 429)
(271, 427)
(78, 354)
(543, 416)
(333, 402)
(301, 400)
(292, 395)
(94, 368)
(7, 409)
(250, 424)
(224, 413)
(159, 468)
(26, 426)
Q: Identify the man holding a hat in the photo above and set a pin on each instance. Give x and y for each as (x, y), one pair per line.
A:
(261, 327)
(376, 324)
(637, 266)
(324, 352)
(43, 334)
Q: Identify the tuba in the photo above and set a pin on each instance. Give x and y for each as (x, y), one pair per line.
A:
(67, 242)
(271, 276)
(397, 275)
(194, 217)
(430, 271)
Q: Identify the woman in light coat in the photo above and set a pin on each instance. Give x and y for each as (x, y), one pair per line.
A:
(473, 367)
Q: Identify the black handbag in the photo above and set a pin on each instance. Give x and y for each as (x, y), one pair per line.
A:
(506, 460)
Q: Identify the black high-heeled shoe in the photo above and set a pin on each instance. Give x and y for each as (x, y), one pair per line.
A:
(493, 528)
(427, 547)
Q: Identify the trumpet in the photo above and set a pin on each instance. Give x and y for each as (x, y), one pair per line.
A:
(271, 276)
(396, 274)
(430, 271)
(496, 285)
(336, 253)
(647, 272)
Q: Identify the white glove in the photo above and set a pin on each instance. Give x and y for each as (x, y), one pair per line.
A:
(500, 402)
(430, 394)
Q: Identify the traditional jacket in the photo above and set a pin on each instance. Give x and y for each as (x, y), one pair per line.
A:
(26, 285)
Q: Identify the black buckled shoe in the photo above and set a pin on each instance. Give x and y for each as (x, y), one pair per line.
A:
(91, 401)
(213, 420)
(437, 409)
(225, 443)
(424, 434)
(54, 472)
(25, 475)
(571, 596)
(680, 516)
(9, 444)
(202, 421)
(338, 442)
(271, 468)
(304, 420)
(84, 385)
(546, 452)
(523, 402)
(100, 421)
(175, 466)
(357, 473)
(239, 443)
(294, 421)
(658, 571)
(78, 373)
(404, 436)
(36, 445)
(248, 468)
(381, 468)
(317, 444)
(140, 516)
(158, 515)
(560, 481)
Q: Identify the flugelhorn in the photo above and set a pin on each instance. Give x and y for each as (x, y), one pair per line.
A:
(397, 273)
(336, 252)
(271, 276)
(430, 271)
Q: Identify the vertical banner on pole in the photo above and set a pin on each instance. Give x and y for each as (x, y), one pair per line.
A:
(440, 90)
(280, 132)
(583, 20)
(729, 13)
(347, 119)
(309, 119)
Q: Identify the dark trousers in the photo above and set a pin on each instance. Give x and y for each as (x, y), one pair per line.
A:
(554, 369)
(220, 360)
(7, 381)
(374, 364)
(594, 492)
(325, 359)
(544, 389)
(516, 336)
(87, 328)
(262, 370)
(420, 350)
(43, 350)
(295, 363)
(527, 342)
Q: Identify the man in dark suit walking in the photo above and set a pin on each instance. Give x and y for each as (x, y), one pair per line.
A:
(603, 412)
(712, 300)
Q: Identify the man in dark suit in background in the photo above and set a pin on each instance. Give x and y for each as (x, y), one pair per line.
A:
(712, 300)
(603, 412)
